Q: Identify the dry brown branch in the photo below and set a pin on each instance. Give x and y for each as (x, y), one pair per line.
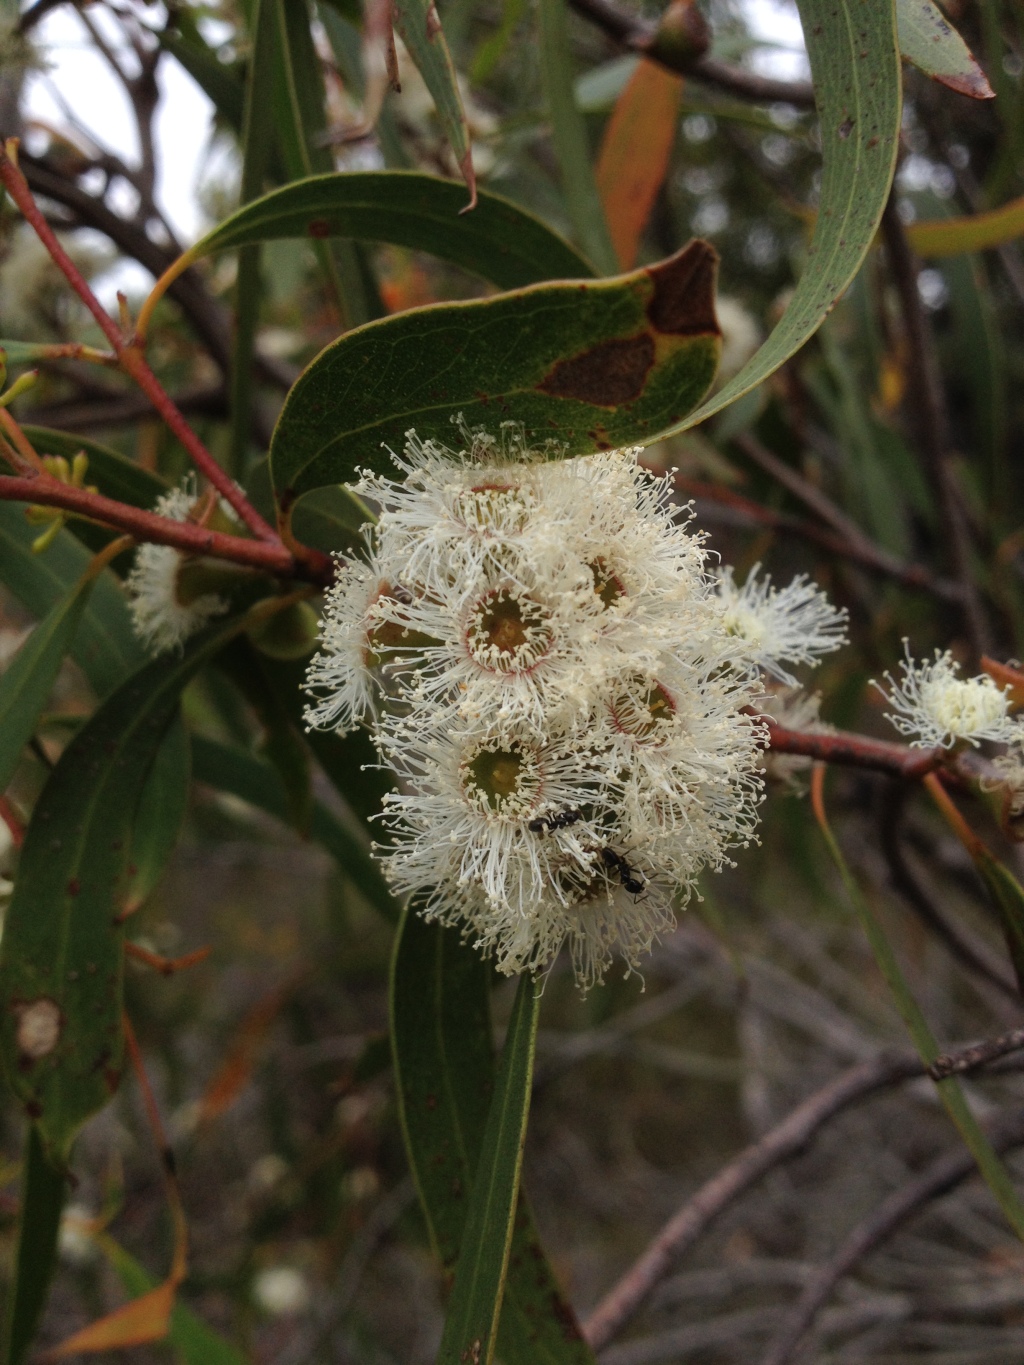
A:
(942, 1175)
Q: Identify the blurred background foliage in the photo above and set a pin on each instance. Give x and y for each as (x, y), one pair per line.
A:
(269, 1059)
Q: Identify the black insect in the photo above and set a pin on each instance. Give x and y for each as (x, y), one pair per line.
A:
(631, 879)
(560, 820)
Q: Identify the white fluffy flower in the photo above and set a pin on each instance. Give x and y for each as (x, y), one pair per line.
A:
(361, 630)
(554, 683)
(934, 705)
(160, 618)
(791, 625)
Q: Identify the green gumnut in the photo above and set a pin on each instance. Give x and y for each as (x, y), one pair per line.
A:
(288, 634)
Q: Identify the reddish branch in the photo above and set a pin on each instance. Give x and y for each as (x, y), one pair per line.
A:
(130, 356)
(182, 535)
(857, 751)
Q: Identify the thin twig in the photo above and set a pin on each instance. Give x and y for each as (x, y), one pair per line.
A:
(943, 1175)
(182, 535)
(857, 751)
(130, 356)
(735, 1178)
(785, 1140)
(970, 1058)
(629, 29)
(932, 420)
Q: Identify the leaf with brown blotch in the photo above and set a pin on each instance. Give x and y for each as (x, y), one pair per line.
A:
(586, 364)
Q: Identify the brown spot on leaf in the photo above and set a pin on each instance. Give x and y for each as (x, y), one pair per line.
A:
(845, 128)
(74, 886)
(319, 227)
(610, 373)
(684, 292)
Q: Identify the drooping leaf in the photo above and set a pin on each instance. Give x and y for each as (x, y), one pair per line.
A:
(932, 44)
(281, 742)
(474, 1309)
(498, 241)
(635, 154)
(569, 138)
(419, 24)
(588, 364)
(220, 83)
(196, 1343)
(230, 769)
(104, 646)
(61, 958)
(855, 64)
(257, 142)
(160, 813)
(43, 1190)
(28, 679)
(974, 232)
(444, 1069)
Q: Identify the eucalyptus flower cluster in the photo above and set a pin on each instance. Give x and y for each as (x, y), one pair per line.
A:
(553, 676)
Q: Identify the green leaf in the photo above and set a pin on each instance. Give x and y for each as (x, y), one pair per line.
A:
(104, 646)
(230, 769)
(497, 241)
(569, 135)
(257, 142)
(26, 683)
(160, 813)
(195, 1343)
(444, 1069)
(471, 1326)
(281, 743)
(420, 26)
(932, 44)
(588, 364)
(61, 958)
(855, 64)
(219, 82)
(42, 1199)
(299, 113)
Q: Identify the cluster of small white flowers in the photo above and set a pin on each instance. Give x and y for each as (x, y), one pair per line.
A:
(933, 705)
(549, 670)
(159, 617)
(778, 626)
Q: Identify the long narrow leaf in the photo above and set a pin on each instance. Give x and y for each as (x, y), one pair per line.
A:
(42, 1199)
(855, 63)
(569, 135)
(471, 1327)
(444, 1068)
(27, 681)
(104, 646)
(61, 958)
(420, 26)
